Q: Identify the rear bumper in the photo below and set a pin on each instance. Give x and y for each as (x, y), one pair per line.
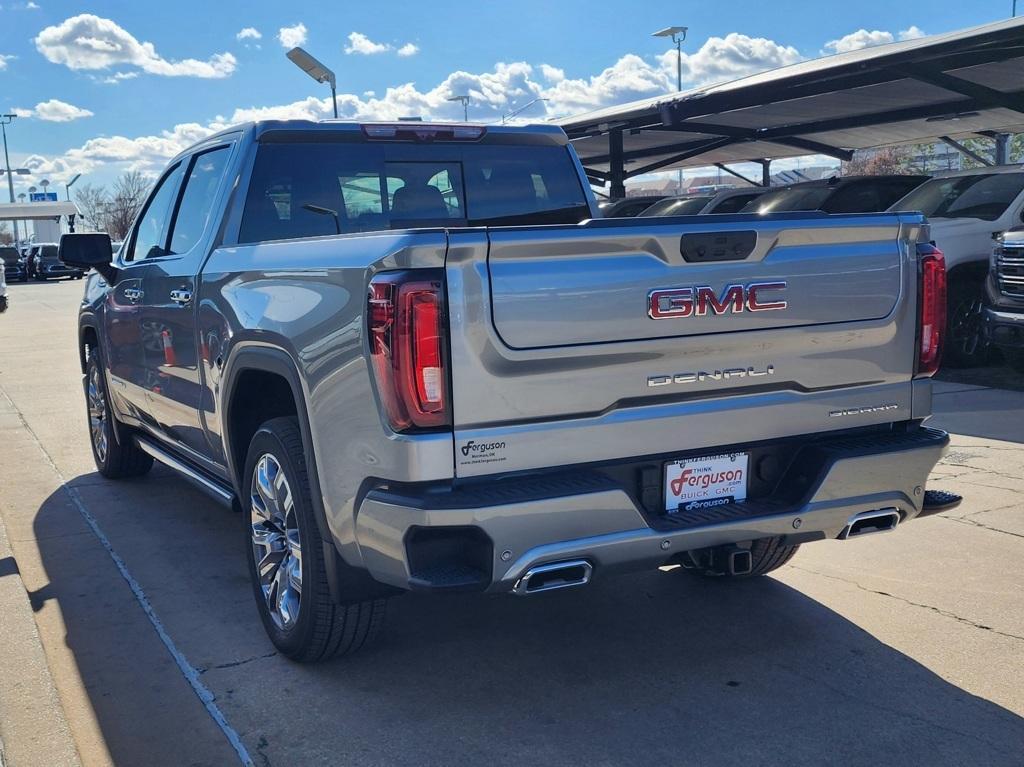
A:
(57, 270)
(486, 537)
(1004, 329)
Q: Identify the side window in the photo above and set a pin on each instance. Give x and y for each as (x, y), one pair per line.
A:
(151, 233)
(197, 200)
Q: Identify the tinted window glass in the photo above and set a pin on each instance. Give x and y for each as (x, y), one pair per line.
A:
(49, 251)
(794, 198)
(734, 204)
(151, 233)
(677, 207)
(855, 197)
(313, 189)
(985, 196)
(197, 200)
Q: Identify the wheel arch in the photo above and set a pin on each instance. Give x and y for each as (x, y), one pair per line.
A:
(253, 362)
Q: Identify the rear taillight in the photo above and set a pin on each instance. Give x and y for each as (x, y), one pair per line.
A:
(407, 349)
(931, 319)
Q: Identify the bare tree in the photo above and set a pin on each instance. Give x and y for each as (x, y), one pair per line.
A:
(886, 161)
(93, 203)
(6, 238)
(126, 199)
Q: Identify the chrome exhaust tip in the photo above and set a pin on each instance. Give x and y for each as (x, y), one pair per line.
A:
(556, 575)
(869, 522)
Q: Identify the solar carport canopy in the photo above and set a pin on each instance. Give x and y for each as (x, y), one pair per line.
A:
(959, 84)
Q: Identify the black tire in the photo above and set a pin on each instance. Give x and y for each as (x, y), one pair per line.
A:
(322, 629)
(965, 345)
(113, 460)
(766, 554)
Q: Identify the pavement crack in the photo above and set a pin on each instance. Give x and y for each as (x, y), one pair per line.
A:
(939, 610)
(233, 664)
(968, 521)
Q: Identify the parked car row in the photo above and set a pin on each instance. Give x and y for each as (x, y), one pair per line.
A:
(967, 210)
(36, 261)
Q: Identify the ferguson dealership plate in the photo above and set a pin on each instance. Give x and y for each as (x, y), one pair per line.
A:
(705, 482)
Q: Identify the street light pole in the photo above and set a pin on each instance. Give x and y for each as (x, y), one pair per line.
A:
(678, 34)
(465, 106)
(5, 120)
(514, 112)
(318, 71)
(71, 183)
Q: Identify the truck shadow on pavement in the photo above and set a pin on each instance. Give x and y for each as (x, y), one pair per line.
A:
(655, 668)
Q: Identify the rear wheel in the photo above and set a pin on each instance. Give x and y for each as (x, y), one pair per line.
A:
(114, 460)
(966, 346)
(766, 554)
(286, 555)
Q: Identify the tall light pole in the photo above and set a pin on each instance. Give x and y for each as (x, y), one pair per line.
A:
(678, 34)
(6, 120)
(71, 183)
(514, 112)
(317, 71)
(465, 106)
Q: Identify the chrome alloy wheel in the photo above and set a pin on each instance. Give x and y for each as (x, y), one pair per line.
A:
(276, 547)
(97, 413)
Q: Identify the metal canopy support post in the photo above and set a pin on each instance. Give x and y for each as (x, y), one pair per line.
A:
(965, 151)
(616, 170)
(766, 172)
(1002, 149)
(737, 174)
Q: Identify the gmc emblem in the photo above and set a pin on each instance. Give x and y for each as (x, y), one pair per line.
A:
(699, 301)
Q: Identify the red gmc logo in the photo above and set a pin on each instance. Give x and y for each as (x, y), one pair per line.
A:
(669, 303)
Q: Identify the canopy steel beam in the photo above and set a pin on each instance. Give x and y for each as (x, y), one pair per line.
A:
(816, 146)
(616, 170)
(737, 174)
(707, 147)
(982, 94)
(964, 150)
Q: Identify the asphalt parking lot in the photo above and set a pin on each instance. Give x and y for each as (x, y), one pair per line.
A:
(900, 648)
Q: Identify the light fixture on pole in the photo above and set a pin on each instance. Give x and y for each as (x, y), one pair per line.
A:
(6, 120)
(317, 71)
(678, 34)
(464, 100)
(514, 112)
(71, 183)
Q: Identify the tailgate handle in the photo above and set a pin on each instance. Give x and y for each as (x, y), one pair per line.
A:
(703, 247)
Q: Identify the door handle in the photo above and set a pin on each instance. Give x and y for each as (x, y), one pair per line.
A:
(133, 294)
(181, 297)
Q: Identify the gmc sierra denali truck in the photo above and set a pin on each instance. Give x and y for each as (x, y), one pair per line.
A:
(1004, 298)
(415, 357)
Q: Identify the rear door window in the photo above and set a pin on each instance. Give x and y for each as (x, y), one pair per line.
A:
(314, 189)
(985, 196)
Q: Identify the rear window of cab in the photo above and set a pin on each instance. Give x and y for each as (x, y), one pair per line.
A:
(309, 189)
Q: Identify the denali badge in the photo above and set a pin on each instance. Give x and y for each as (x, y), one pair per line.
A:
(698, 301)
(714, 375)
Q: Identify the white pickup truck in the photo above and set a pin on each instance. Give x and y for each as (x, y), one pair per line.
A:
(968, 210)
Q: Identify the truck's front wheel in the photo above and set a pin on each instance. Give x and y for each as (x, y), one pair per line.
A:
(114, 460)
(286, 555)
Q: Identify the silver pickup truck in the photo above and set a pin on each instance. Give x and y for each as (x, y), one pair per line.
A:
(415, 358)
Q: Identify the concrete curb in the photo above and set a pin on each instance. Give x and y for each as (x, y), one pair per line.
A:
(33, 729)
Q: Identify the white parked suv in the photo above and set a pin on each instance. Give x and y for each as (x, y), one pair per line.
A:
(967, 209)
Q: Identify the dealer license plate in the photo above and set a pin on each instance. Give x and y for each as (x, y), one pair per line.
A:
(705, 482)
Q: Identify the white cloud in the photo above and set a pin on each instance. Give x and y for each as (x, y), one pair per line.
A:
(552, 74)
(854, 41)
(249, 33)
(91, 42)
(54, 111)
(289, 37)
(721, 59)
(364, 46)
(912, 33)
(409, 49)
(4, 58)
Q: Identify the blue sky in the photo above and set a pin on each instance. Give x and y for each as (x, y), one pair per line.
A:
(130, 83)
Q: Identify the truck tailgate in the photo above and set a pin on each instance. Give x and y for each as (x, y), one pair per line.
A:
(640, 337)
